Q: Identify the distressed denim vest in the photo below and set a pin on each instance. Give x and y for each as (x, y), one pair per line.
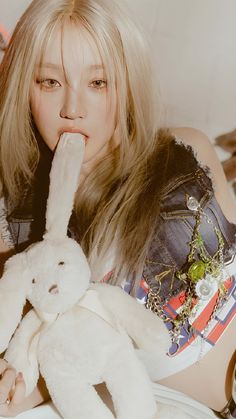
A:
(175, 224)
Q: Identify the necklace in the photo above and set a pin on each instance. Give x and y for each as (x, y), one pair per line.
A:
(202, 275)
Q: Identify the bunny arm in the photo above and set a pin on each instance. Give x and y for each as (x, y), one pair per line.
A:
(146, 329)
(14, 285)
(11, 308)
(22, 349)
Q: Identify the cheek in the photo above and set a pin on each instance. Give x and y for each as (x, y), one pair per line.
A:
(43, 106)
(43, 122)
(104, 110)
(41, 118)
(111, 111)
(111, 122)
(44, 118)
(39, 109)
(106, 118)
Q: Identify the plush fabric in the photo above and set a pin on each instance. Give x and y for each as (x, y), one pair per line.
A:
(72, 336)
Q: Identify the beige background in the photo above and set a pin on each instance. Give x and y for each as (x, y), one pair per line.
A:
(193, 44)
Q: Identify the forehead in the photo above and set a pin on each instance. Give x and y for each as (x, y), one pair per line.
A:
(71, 47)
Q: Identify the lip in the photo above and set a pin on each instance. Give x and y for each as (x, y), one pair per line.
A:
(74, 130)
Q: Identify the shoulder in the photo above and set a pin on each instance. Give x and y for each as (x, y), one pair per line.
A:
(199, 141)
(206, 155)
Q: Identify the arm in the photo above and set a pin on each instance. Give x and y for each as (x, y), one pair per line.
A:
(13, 389)
(206, 154)
(3, 247)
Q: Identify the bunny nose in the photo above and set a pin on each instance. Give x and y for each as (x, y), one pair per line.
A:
(53, 289)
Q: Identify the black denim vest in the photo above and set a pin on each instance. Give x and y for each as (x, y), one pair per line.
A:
(174, 227)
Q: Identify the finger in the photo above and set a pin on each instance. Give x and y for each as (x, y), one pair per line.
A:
(18, 394)
(3, 365)
(7, 383)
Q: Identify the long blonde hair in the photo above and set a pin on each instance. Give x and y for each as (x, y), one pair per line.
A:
(120, 197)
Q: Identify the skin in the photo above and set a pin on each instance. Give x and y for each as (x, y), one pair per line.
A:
(12, 389)
(206, 154)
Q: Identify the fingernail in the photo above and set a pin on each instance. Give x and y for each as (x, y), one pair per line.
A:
(20, 376)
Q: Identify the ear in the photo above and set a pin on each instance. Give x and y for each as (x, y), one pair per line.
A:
(14, 285)
(64, 180)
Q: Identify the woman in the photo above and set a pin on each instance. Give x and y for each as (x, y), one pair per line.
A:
(146, 206)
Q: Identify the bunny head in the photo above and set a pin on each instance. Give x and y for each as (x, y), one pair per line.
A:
(59, 275)
(52, 274)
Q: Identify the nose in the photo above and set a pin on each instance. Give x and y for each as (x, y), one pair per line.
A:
(53, 289)
(73, 106)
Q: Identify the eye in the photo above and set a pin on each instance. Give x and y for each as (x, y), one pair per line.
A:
(99, 84)
(33, 281)
(48, 83)
(61, 263)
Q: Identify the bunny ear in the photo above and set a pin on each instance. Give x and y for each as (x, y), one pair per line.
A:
(14, 286)
(64, 179)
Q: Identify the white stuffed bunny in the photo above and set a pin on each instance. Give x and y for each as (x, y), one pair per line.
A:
(69, 336)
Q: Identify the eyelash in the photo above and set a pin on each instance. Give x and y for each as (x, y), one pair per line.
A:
(103, 82)
(43, 83)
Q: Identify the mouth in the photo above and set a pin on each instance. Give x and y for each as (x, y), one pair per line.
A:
(74, 130)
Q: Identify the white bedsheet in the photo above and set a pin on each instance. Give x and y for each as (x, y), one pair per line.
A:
(171, 404)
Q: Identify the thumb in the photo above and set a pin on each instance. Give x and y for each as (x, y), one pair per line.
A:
(19, 391)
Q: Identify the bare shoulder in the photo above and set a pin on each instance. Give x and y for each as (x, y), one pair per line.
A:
(206, 154)
(199, 141)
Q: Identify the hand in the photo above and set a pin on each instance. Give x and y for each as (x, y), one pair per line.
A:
(12, 389)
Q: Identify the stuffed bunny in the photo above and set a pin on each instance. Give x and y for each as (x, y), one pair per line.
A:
(69, 336)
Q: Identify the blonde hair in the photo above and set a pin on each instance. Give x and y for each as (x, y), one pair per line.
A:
(119, 198)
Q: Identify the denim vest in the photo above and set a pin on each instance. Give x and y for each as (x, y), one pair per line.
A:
(174, 228)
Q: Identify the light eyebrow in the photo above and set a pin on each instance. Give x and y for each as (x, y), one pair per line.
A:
(95, 67)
